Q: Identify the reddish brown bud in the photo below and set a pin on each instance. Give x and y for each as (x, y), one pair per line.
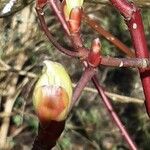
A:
(52, 94)
(75, 19)
(94, 57)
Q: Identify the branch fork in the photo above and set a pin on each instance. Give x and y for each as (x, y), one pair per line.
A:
(135, 26)
(92, 58)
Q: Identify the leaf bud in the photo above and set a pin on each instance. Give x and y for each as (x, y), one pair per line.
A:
(52, 93)
(94, 57)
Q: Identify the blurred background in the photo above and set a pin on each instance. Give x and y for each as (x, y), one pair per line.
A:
(23, 47)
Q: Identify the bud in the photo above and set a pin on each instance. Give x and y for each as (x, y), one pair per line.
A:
(70, 4)
(74, 21)
(41, 3)
(73, 14)
(53, 93)
(94, 57)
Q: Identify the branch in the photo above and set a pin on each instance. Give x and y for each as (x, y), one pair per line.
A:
(54, 5)
(6, 68)
(113, 114)
(116, 97)
(51, 38)
(85, 78)
(21, 4)
(135, 26)
(112, 39)
(143, 63)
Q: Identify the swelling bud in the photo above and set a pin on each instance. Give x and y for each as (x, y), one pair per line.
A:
(71, 4)
(52, 93)
(73, 14)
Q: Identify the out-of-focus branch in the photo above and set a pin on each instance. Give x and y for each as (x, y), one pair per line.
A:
(10, 101)
(7, 68)
(19, 5)
(111, 38)
(116, 97)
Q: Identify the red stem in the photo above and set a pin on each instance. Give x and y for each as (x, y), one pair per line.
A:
(139, 41)
(124, 7)
(51, 38)
(113, 114)
(134, 21)
(82, 52)
(54, 5)
(126, 62)
(85, 78)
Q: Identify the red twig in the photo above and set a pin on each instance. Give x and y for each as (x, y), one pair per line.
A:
(58, 12)
(51, 38)
(85, 78)
(113, 114)
(111, 38)
(135, 25)
(126, 62)
(108, 105)
(83, 52)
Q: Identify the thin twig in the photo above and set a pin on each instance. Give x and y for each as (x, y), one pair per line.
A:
(85, 78)
(143, 63)
(18, 131)
(51, 38)
(113, 114)
(8, 110)
(111, 38)
(116, 97)
(54, 5)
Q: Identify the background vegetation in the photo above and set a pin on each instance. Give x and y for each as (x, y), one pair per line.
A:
(23, 47)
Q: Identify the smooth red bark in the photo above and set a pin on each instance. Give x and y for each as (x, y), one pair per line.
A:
(134, 21)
